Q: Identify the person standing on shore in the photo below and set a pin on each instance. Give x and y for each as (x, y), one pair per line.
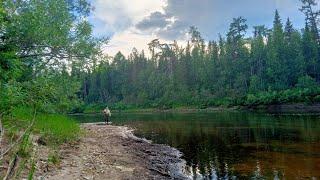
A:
(107, 115)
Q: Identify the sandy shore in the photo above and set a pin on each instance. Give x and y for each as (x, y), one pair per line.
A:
(113, 152)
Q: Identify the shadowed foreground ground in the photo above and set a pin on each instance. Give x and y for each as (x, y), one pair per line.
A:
(111, 152)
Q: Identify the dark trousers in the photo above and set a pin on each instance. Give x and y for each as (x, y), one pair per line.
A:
(106, 119)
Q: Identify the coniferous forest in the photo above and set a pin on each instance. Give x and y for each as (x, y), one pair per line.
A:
(53, 66)
(54, 63)
(273, 66)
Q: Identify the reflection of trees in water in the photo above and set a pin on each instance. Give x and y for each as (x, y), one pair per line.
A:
(211, 154)
(214, 154)
(213, 151)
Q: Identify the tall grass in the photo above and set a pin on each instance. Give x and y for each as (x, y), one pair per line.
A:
(57, 129)
(54, 129)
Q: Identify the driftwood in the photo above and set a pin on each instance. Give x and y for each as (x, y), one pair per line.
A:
(11, 166)
(20, 138)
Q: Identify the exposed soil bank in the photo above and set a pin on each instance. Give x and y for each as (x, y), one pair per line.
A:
(112, 152)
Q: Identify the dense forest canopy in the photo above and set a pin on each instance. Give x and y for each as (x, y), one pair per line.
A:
(50, 60)
(276, 65)
(40, 42)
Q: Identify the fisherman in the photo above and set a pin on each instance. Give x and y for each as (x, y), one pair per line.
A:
(107, 115)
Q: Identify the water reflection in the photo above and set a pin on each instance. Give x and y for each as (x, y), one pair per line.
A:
(235, 145)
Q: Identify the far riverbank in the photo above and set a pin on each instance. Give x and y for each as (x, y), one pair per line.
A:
(294, 108)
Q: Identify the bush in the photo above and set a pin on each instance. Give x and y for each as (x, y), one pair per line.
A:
(306, 82)
(297, 95)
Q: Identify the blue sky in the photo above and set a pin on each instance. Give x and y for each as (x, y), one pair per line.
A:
(134, 23)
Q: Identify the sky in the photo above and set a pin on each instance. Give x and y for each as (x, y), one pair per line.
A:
(134, 23)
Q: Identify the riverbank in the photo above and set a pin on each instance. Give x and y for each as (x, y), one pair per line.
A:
(24, 132)
(171, 110)
(287, 108)
(272, 108)
(112, 152)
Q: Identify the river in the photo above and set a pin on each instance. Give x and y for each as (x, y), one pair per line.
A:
(228, 145)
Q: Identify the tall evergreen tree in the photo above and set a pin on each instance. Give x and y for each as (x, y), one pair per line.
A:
(292, 54)
(276, 62)
(310, 52)
(311, 17)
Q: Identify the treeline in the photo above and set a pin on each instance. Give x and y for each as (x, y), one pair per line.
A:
(49, 60)
(277, 65)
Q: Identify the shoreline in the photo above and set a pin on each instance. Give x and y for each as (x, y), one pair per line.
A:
(173, 110)
(114, 152)
(272, 108)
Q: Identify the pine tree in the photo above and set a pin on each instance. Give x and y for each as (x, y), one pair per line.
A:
(276, 63)
(310, 52)
(258, 60)
(288, 30)
(311, 17)
(292, 54)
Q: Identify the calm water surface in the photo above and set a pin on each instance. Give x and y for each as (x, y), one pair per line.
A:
(234, 145)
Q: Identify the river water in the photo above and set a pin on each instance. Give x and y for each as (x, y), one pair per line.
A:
(233, 145)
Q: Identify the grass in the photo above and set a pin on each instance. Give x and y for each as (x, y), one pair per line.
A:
(54, 129)
(57, 129)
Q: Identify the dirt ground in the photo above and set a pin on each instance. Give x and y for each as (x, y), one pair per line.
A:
(112, 152)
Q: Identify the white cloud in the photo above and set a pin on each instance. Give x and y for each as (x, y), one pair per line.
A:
(127, 40)
(118, 17)
(121, 14)
(134, 23)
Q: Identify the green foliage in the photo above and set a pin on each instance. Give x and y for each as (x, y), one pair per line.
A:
(54, 129)
(279, 65)
(306, 82)
(53, 63)
(10, 66)
(296, 95)
(40, 42)
(11, 95)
